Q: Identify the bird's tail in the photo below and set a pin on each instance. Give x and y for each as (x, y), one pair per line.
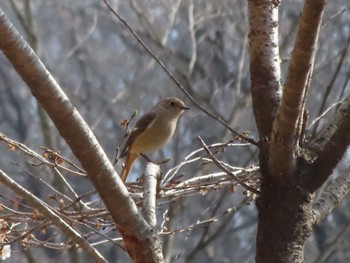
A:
(130, 158)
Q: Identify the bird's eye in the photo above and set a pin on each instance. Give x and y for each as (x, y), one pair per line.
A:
(172, 103)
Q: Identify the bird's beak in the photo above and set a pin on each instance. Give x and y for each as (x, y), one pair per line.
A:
(185, 107)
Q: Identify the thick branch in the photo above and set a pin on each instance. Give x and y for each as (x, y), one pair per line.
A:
(150, 193)
(284, 137)
(264, 63)
(80, 139)
(331, 154)
(53, 216)
(331, 196)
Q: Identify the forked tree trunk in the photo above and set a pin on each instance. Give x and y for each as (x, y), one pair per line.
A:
(288, 180)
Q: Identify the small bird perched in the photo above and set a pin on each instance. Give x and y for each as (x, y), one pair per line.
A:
(152, 131)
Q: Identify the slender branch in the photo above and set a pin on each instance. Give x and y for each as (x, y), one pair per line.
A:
(82, 40)
(53, 189)
(339, 240)
(332, 81)
(174, 8)
(192, 31)
(214, 219)
(145, 21)
(323, 114)
(173, 78)
(190, 158)
(325, 134)
(223, 168)
(207, 237)
(345, 85)
(53, 216)
(56, 158)
(14, 145)
(285, 128)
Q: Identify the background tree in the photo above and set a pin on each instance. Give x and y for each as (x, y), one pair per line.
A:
(107, 74)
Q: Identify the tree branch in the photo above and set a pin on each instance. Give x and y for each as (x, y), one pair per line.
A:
(224, 169)
(152, 172)
(53, 216)
(334, 244)
(264, 63)
(332, 152)
(331, 196)
(173, 78)
(331, 83)
(81, 140)
(285, 128)
(325, 134)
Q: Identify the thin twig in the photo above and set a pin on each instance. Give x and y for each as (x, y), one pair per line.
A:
(330, 85)
(53, 216)
(223, 168)
(208, 222)
(190, 159)
(174, 79)
(325, 113)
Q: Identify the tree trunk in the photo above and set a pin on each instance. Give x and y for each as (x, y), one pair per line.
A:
(287, 179)
(284, 221)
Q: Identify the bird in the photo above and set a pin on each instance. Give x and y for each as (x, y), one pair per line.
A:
(152, 131)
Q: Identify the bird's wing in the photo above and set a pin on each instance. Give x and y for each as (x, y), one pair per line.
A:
(140, 126)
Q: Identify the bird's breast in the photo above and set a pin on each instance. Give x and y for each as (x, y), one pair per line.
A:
(154, 137)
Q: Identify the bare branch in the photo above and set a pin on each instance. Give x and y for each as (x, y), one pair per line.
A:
(223, 168)
(323, 136)
(213, 219)
(330, 85)
(145, 21)
(172, 77)
(284, 137)
(323, 114)
(331, 154)
(339, 240)
(264, 63)
(331, 196)
(152, 172)
(53, 216)
(190, 158)
(54, 165)
(81, 41)
(171, 19)
(192, 31)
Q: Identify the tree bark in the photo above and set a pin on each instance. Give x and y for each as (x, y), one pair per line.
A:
(285, 203)
(264, 64)
(284, 222)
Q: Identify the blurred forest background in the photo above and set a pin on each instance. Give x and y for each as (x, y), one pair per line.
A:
(107, 75)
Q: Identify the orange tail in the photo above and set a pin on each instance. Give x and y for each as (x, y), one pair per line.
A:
(130, 158)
